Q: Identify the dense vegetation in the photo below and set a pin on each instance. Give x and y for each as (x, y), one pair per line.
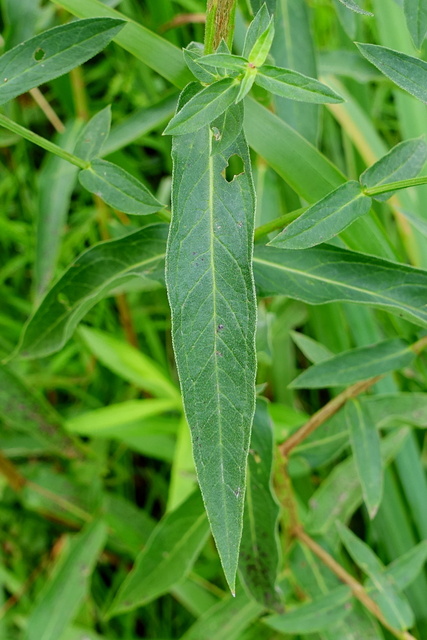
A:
(213, 320)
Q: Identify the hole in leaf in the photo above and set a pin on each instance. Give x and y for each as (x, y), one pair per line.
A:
(235, 167)
(39, 54)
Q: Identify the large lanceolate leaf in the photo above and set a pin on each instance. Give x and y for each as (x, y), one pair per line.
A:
(259, 554)
(294, 85)
(325, 219)
(327, 273)
(416, 18)
(211, 293)
(407, 72)
(90, 278)
(53, 53)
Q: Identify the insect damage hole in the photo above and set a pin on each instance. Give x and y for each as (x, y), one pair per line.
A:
(39, 54)
(234, 168)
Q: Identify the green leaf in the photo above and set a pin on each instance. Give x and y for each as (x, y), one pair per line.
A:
(355, 365)
(130, 363)
(416, 19)
(404, 161)
(317, 615)
(314, 351)
(210, 288)
(350, 4)
(20, 409)
(118, 188)
(260, 50)
(57, 181)
(204, 107)
(365, 444)
(224, 60)
(407, 72)
(93, 137)
(255, 30)
(53, 53)
(405, 569)
(227, 127)
(294, 86)
(168, 557)
(193, 56)
(327, 274)
(259, 553)
(246, 84)
(393, 605)
(325, 219)
(68, 584)
(89, 279)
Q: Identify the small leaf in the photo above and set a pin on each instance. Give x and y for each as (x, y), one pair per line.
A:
(355, 365)
(68, 584)
(404, 161)
(118, 188)
(317, 615)
(405, 569)
(224, 60)
(53, 53)
(204, 107)
(168, 557)
(259, 553)
(350, 4)
(407, 72)
(294, 86)
(325, 219)
(416, 19)
(246, 84)
(89, 279)
(94, 135)
(260, 50)
(365, 444)
(393, 605)
(255, 30)
(193, 55)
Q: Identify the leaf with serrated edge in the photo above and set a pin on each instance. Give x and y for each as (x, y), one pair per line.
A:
(168, 557)
(325, 219)
(53, 53)
(365, 444)
(407, 72)
(403, 161)
(89, 279)
(416, 19)
(327, 274)
(294, 85)
(94, 135)
(210, 288)
(259, 552)
(356, 364)
(118, 188)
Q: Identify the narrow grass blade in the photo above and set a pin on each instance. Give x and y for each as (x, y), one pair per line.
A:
(259, 553)
(325, 219)
(210, 288)
(118, 188)
(407, 72)
(53, 53)
(93, 137)
(81, 287)
(355, 365)
(294, 86)
(69, 584)
(416, 18)
(350, 4)
(327, 274)
(365, 444)
(168, 557)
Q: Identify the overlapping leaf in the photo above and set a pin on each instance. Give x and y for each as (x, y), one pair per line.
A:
(416, 18)
(294, 85)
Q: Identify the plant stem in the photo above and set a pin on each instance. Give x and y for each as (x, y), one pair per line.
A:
(277, 223)
(357, 589)
(220, 16)
(395, 186)
(42, 142)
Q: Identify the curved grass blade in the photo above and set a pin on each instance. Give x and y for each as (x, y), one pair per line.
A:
(53, 53)
(294, 85)
(357, 364)
(259, 552)
(210, 288)
(328, 274)
(204, 107)
(404, 161)
(416, 19)
(168, 557)
(94, 135)
(365, 444)
(407, 72)
(89, 279)
(325, 219)
(350, 4)
(118, 188)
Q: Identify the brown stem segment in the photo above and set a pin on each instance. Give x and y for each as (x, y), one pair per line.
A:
(219, 23)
